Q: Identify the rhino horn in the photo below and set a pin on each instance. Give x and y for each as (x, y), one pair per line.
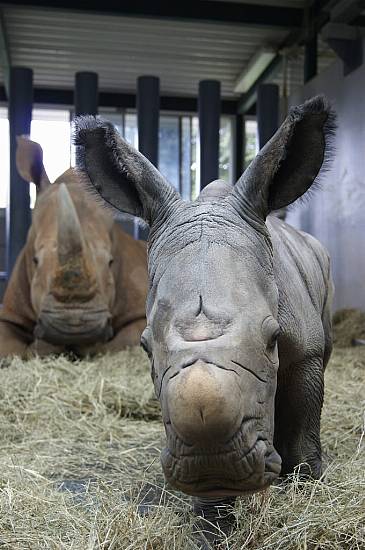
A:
(70, 242)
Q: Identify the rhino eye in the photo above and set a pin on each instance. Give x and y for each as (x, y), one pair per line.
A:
(111, 261)
(273, 340)
(35, 260)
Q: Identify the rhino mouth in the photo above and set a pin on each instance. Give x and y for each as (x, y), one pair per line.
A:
(74, 327)
(228, 472)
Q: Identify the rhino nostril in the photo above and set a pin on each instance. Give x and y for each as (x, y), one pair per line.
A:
(200, 308)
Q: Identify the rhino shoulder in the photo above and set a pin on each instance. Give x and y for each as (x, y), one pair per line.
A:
(301, 246)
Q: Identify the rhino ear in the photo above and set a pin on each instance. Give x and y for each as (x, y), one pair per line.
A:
(29, 162)
(288, 165)
(120, 174)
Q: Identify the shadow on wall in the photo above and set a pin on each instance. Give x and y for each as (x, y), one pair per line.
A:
(2, 251)
(335, 214)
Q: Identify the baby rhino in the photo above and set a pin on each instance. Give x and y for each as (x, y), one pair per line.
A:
(238, 309)
(80, 282)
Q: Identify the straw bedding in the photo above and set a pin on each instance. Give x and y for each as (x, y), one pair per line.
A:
(79, 464)
(348, 325)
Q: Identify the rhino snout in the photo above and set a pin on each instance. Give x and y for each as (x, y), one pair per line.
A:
(203, 403)
(74, 326)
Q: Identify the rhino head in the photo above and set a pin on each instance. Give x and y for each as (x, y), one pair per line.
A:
(212, 307)
(70, 249)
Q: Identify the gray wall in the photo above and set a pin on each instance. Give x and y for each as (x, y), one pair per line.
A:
(2, 250)
(336, 214)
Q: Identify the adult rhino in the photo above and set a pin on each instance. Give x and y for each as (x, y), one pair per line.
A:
(80, 282)
(238, 309)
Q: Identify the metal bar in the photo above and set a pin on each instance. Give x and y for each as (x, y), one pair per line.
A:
(318, 17)
(148, 111)
(209, 124)
(267, 112)
(18, 216)
(5, 57)
(311, 58)
(345, 11)
(86, 93)
(202, 11)
(249, 98)
(359, 21)
(125, 101)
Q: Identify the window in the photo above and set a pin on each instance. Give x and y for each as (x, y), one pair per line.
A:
(169, 149)
(4, 164)
(225, 150)
(195, 158)
(186, 167)
(4, 188)
(179, 147)
(130, 129)
(51, 129)
(251, 141)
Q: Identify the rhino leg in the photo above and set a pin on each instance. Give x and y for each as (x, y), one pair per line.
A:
(40, 348)
(215, 519)
(16, 342)
(299, 400)
(13, 341)
(127, 336)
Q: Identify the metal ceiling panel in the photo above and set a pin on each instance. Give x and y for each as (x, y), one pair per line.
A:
(56, 44)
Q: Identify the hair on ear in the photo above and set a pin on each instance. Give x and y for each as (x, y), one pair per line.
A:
(103, 157)
(288, 165)
(119, 173)
(317, 105)
(86, 127)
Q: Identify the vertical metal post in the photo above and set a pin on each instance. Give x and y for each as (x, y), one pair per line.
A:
(86, 93)
(18, 215)
(267, 112)
(148, 111)
(238, 146)
(209, 122)
(310, 58)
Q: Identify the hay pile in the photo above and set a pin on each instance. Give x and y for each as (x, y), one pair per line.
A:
(348, 324)
(79, 465)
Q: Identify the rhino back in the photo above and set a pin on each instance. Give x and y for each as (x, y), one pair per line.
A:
(302, 272)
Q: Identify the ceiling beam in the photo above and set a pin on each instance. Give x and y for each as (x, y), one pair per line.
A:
(49, 96)
(5, 58)
(193, 10)
(344, 39)
(345, 11)
(316, 18)
(248, 99)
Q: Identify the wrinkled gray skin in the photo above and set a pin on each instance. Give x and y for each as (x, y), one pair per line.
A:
(238, 310)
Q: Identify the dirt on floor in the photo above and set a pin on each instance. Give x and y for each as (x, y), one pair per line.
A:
(79, 465)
